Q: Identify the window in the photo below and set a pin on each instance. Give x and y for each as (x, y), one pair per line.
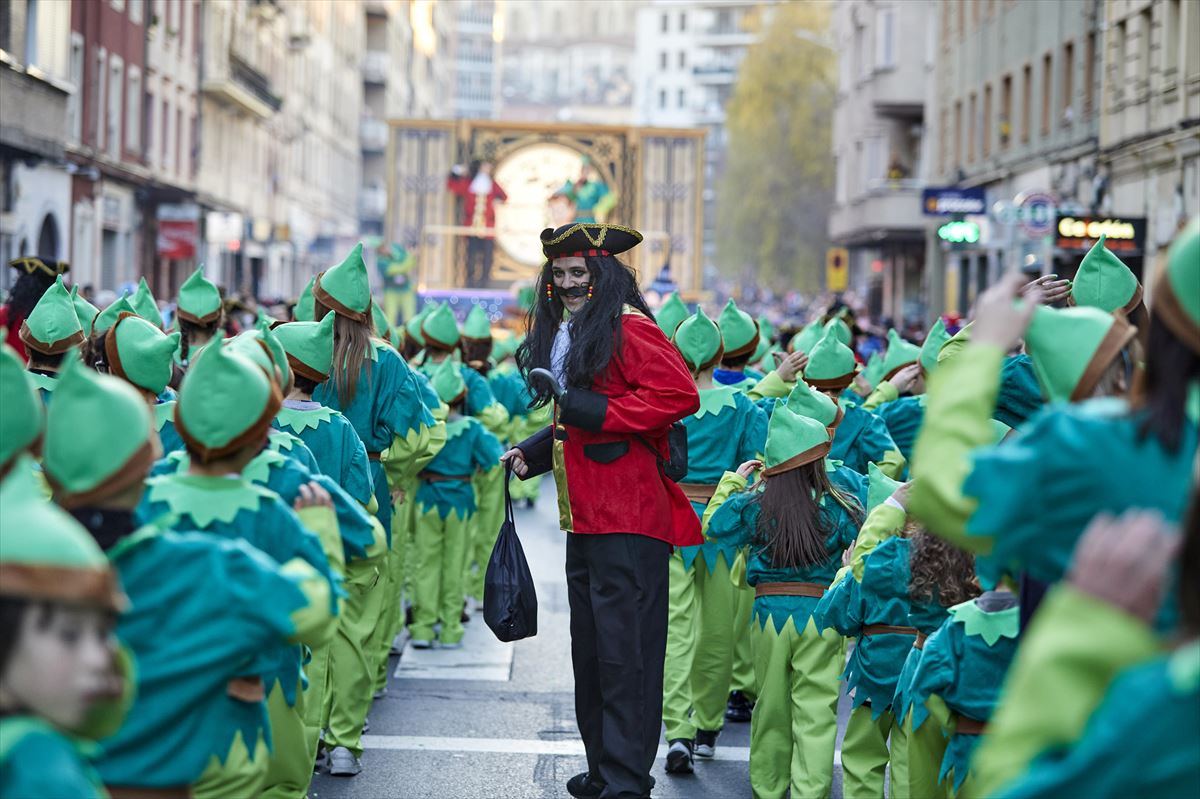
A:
(133, 111)
(987, 120)
(1119, 62)
(1026, 101)
(168, 146)
(101, 84)
(135, 12)
(1089, 74)
(1005, 112)
(1170, 54)
(1068, 79)
(944, 134)
(972, 128)
(958, 133)
(666, 23)
(885, 38)
(31, 31)
(682, 21)
(682, 98)
(682, 59)
(662, 98)
(662, 60)
(75, 100)
(1047, 91)
(1143, 66)
(118, 5)
(116, 85)
(152, 135)
(1191, 45)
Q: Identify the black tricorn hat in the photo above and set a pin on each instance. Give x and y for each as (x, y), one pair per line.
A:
(35, 263)
(582, 239)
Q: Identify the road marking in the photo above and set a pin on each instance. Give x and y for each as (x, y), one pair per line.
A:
(516, 746)
(481, 657)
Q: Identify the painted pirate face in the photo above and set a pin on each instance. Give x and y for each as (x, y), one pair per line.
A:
(571, 281)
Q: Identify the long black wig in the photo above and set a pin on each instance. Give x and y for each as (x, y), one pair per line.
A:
(595, 329)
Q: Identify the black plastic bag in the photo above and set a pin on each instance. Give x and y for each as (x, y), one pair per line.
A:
(509, 596)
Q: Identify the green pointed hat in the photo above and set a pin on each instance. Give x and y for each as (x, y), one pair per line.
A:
(266, 331)
(309, 347)
(84, 310)
(145, 306)
(22, 410)
(305, 310)
(226, 403)
(379, 320)
(140, 353)
(831, 364)
(477, 327)
(108, 317)
(412, 328)
(671, 314)
(793, 441)
(765, 328)
(873, 371)
(739, 331)
(699, 341)
(199, 299)
(52, 326)
(1103, 281)
(839, 329)
(85, 461)
(344, 288)
(1071, 348)
(47, 555)
(439, 330)
(806, 401)
(1177, 288)
(934, 339)
(806, 339)
(900, 353)
(879, 487)
(448, 382)
(253, 346)
(760, 352)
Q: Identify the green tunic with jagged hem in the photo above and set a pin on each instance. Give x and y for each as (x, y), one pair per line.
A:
(903, 418)
(39, 762)
(469, 448)
(862, 438)
(963, 664)
(187, 644)
(728, 430)
(339, 451)
(733, 517)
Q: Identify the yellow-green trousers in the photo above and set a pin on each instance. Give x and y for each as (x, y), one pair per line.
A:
(917, 760)
(717, 629)
(437, 579)
(794, 728)
(681, 645)
(489, 515)
(239, 774)
(351, 656)
(525, 489)
(320, 691)
(865, 754)
(290, 766)
(395, 579)
(741, 676)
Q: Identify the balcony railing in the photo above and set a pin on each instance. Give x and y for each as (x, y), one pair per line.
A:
(885, 185)
(372, 134)
(233, 81)
(372, 203)
(375, 65)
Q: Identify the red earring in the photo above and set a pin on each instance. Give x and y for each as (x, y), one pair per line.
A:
(589, 291)
(549, 292)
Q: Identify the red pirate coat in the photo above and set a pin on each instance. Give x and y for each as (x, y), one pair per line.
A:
(486, 218)
(609, 480)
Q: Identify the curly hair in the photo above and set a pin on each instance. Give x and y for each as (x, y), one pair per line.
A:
(940, 571)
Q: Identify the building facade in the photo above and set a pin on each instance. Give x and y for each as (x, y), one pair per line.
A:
(476, 51)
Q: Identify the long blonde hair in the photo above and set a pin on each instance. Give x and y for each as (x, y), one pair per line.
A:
(351, 342)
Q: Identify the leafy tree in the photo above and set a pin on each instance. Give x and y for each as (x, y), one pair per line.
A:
(774, 197)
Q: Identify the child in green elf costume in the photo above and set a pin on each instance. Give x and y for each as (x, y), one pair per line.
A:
(199, 314)
(740, 333)
(144, 304)
(223, 414)
(305, 308)
(671, 313)
(446, 505)
(21, 422)
(86, 312)
(49, 334)
(728, 429)
(140, 354)
(58, 602)
(186, 645)
(797, 526)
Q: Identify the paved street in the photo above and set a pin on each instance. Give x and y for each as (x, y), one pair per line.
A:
(497, 721)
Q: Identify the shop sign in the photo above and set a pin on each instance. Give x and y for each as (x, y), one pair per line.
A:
(1122, 234)
(948, 201)
(1036, 214)
(178, 231)
(959, 232)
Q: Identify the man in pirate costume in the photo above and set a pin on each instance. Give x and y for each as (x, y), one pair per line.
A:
(35, 276)
(49, 334)
(623, 386)
(706, 621)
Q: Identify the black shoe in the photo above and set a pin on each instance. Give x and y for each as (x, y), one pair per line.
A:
(738, 708)
(584, 786)
(706, 742)
(530, 504)
(679, 756)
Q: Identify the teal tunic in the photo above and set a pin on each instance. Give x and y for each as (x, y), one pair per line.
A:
(964, 663)
(862, 438)
(338, 450)
(389, 402)
(1143, 739)
(727, 431)
(186, 645)
(1039, 489)
(735, 521)
(848, 481)
(1020, 395)
(479, 391)
(45, 385)
(469, 448)
(38, 761)
(903, 418)
(164, 423)
(927, 617)
(293, 448)
(511, 392)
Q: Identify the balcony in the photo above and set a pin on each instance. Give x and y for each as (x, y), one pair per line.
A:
(726, 35)
(234, 82)
(372, 203)
(376, 8)
(710, 74)
(889, 209)
(372, 134)
(375, 65)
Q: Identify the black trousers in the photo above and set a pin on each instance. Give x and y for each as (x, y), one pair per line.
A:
(617, 585)
(479, 261)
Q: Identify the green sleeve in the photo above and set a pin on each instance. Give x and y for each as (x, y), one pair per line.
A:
(322, 520)
(409, 453)
(841, 608)
(892, 463)
(884, 392)
(772, 385)
(958, 416)
(882, 523)
(314, 622)
(1074, 648)
(494, 418)
(722, 518)
(937, 671)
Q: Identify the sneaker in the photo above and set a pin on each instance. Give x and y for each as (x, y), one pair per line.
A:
(530, 504)
(738, 708)
(679, 757)
(322, 761)
(585, 786)
(366, 725)
(422, 644)
(706, 742)
(342, 763)
(381, 693)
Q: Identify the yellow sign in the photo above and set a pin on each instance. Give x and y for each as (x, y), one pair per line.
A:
(837, 269)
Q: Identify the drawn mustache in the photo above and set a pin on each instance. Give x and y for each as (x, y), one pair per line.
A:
(574, 292)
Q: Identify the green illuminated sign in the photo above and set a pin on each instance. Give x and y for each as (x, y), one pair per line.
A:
(959, 232)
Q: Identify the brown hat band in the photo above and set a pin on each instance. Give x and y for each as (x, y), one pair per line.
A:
(1114, 339)
(53, 347)
(257, 428)
(62, 584)
(796, 461)
(330, 302)
(133, 471)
